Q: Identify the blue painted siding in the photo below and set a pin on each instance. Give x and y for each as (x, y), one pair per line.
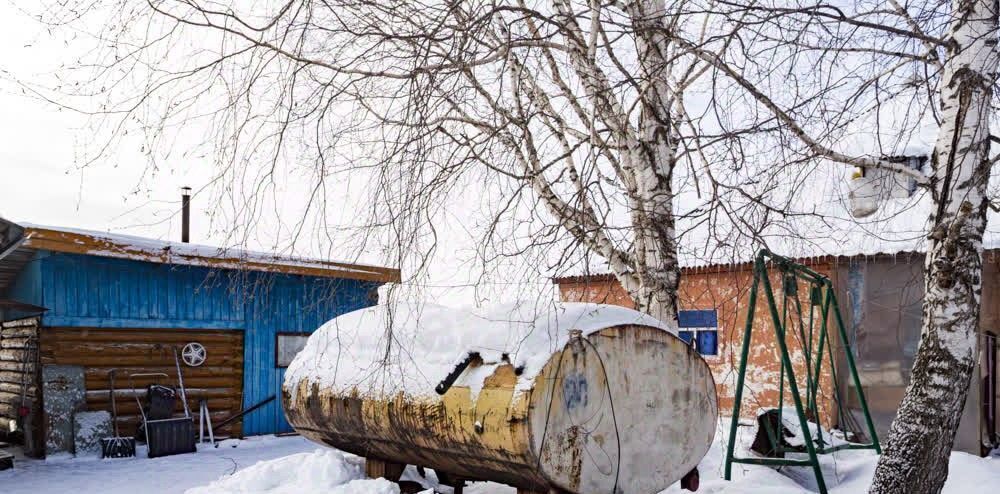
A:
(90, 291)
(286, 304)
(27, 287)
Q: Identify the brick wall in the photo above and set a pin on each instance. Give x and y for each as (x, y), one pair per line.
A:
(726, 289)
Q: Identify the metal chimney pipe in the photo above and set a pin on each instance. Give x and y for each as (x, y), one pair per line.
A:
(185, 214)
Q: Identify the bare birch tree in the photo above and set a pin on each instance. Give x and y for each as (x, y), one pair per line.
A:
(581, 104)
(603, 114)
(935, 60)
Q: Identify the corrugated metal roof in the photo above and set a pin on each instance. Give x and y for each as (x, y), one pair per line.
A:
(734, 266)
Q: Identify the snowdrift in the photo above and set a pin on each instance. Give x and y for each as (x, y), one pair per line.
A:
(324, 471)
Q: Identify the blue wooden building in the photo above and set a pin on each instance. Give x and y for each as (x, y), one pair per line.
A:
(88, 302)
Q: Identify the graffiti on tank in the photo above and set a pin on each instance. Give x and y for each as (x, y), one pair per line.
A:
(574, 391)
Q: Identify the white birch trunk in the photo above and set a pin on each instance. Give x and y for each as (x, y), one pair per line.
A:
(921, 436)
(653, 156)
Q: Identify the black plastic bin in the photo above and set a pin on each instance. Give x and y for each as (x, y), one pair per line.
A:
(167, 437)
(161, 402)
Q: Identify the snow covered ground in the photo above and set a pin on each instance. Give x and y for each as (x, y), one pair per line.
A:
(141, 475)
(271, 465)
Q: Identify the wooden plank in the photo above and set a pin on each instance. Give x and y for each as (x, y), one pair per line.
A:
(10, 409)
(108, 353)
(14, 389)
(143, 322)
(103, 395)
(12, 366)
(13, 394)
(93, 360)
(20, 323)
(130, 407)
(7, 335)
(18, 332)
(159, 335)
(200, 384)
(124, 390)
(160, 351)
(17, 379)
(19, 346)
(12, 355)
(97, 376)
(7, 365)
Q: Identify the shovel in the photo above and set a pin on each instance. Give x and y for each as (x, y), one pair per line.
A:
(117, 446)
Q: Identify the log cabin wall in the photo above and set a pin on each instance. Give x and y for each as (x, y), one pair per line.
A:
(219, 379)
(19, 381)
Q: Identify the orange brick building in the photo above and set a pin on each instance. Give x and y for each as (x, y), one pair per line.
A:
(880, 298)
(724, 289)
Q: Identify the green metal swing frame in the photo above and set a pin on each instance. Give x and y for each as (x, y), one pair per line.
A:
(821, 295)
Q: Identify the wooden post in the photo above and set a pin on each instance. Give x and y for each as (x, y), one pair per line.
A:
(376, 468)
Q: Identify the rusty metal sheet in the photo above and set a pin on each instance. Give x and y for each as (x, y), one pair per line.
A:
(64, 392)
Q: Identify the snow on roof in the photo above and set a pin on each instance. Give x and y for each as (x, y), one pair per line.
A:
(410, 347)
(898, 227)
(105, 244)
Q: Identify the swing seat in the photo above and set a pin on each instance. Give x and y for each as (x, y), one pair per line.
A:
(770, 438)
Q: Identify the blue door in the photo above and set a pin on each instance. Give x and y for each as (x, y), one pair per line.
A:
(286, 305)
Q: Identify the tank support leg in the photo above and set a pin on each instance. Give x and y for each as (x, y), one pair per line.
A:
(376, 468)
(456, 483)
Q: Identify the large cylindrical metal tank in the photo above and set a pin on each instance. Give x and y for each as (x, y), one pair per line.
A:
(616, 404)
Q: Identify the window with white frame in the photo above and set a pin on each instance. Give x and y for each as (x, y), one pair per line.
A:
(700, 328)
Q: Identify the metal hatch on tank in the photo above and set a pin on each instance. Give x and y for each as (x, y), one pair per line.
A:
(584, 399)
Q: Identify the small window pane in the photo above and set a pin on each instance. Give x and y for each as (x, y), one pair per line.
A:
(699, 318)
(686, 336)
(708, 342)
(288, 346)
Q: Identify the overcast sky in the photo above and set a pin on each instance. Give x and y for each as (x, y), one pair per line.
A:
(44, 178)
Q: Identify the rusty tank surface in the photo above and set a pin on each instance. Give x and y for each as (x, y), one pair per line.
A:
(627, 408)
